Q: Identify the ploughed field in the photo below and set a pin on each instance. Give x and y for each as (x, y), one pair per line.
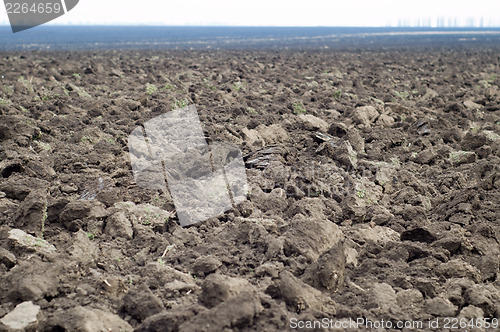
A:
(374, 190)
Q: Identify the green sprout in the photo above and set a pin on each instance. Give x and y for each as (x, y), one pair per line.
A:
(485, 84)
(81, 92)
(149, 216)
(337, 94)
(8, 89)
(37, 136)
(251, 110)
(28, 84)
(456, 155)
(401, 95)
(151, 88)
(314, 194)
(91, 236)
(168, 86)
(361, 193)
(87, 139)
(211, 87)
(298, 108)
(157, 201)
(179, 103)
(237, 86)
(5, 102)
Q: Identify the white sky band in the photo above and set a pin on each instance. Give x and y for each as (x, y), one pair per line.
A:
(283, 13)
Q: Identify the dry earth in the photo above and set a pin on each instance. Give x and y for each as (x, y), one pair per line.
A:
(374, 176)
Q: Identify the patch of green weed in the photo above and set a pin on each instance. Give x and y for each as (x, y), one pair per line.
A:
(337, 94)
(298, 108)
(179, 104)
(237, 86)
(86, 139)
(37, 136)
(401, 95)
(455, 155)
(8, 89)
(27, 83)
(151, 88)
(251, 110)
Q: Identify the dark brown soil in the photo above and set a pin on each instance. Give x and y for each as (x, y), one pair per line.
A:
(374, 176)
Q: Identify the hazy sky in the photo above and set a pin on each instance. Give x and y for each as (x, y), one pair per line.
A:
(279, 12)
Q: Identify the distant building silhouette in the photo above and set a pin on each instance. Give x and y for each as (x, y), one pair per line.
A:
(447, 22)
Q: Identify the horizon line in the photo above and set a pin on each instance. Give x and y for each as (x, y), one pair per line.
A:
(255, 26)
